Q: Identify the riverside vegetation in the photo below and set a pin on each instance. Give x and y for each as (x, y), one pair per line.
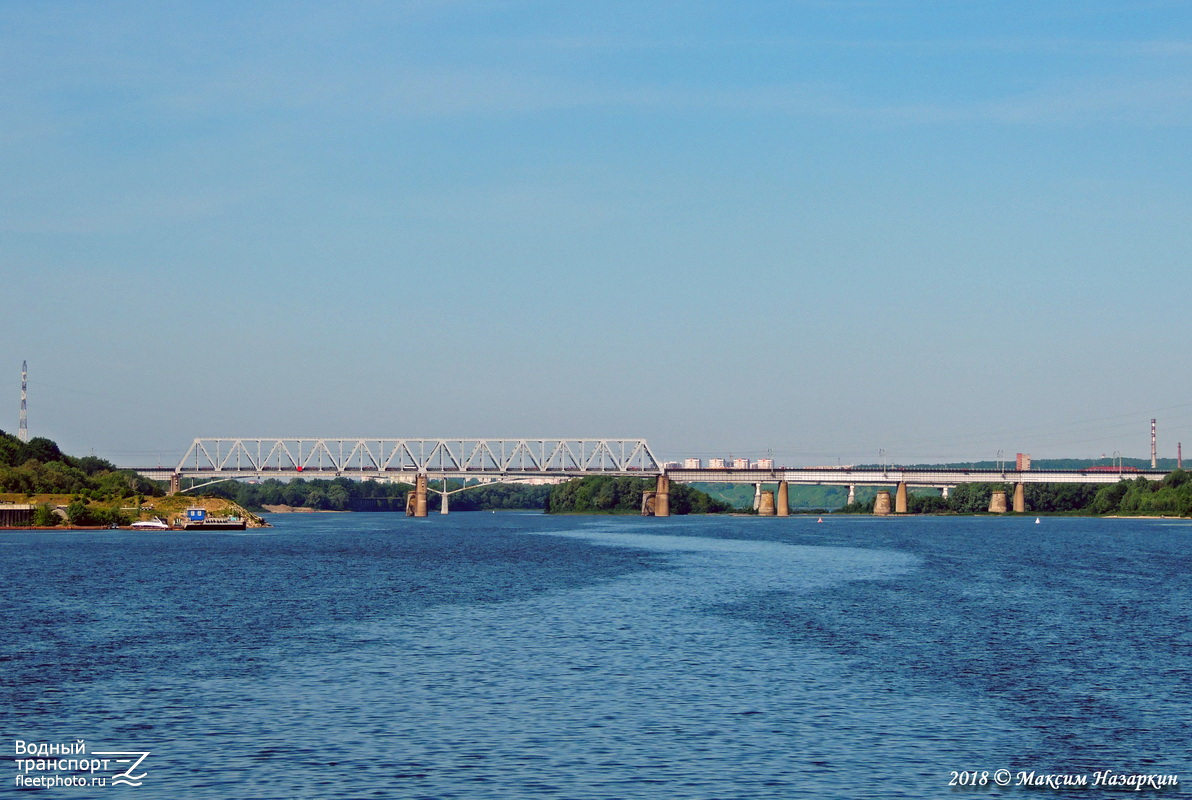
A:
(93, 490)
(607, 495)
(89, 492)
(1171, 496)
(594, 495)
(345, 494)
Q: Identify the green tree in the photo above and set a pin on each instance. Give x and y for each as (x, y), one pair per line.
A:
(11, 451)
(317, 498)
(42, 449)
(603, 494)
(92, 465)
(295, 492)
(1109, 498)
(338, 498)
(972, 498)
(44, 516)
(78, 513)
(926, 504)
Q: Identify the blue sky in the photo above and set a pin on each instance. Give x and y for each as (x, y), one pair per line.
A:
(938, 229)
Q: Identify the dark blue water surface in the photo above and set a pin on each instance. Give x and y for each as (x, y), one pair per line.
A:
(523, 656)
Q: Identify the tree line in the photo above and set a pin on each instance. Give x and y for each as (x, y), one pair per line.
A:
(602, 494)
(593, 495)
(345, 494)
(39, 467)
(1171, 496)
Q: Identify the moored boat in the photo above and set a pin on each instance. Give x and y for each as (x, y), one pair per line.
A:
(154, 524)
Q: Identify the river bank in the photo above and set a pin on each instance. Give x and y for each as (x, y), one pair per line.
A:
(68, 510)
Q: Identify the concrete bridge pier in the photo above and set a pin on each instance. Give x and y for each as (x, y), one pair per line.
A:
(783, 501)
(662, 497)
(852, 493)
(881, 505)
(900, 499)
(443, 506)
(1019, 498)
(997, 503)
(765, 505)
(416, 500)
(175, 485)
(648, 503)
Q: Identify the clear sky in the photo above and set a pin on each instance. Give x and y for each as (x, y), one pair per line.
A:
(938, 229)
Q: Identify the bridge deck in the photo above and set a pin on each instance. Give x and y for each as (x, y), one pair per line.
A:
(558, 458)
(912, 476)
(807, 476)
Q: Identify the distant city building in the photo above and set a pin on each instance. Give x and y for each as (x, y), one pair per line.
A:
(670, 464)
(691, 463)
(740, 463)
(717, 463)
(765, 463)
(1023, 462)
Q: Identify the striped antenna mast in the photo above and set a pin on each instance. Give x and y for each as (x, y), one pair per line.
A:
(1154, 449)
(23, 431)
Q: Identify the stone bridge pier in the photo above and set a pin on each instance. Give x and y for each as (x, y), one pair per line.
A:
(881, 506)
(416, 500)
(783, 500)
(998, 505)
(765, 505)
(657, 502)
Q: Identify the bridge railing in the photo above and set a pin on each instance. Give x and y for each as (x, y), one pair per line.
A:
(262, 455)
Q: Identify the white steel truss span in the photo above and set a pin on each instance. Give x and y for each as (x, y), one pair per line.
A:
(439, 456)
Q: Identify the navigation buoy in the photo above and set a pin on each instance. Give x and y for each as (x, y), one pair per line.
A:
(821, 519)
(1036, 520)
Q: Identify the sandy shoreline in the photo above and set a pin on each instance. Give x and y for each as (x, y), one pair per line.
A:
(283, 509)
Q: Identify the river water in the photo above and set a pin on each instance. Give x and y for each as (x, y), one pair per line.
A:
(524, 656)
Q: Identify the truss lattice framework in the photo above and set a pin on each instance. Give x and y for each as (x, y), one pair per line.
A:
(365, 456)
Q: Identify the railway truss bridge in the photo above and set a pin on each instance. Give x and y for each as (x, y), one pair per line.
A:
(478, 461)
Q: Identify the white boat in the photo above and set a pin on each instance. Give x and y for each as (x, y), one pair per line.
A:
(150, 525)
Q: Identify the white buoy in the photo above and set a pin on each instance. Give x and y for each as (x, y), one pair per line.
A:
(821, 519)
(1036, 520)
